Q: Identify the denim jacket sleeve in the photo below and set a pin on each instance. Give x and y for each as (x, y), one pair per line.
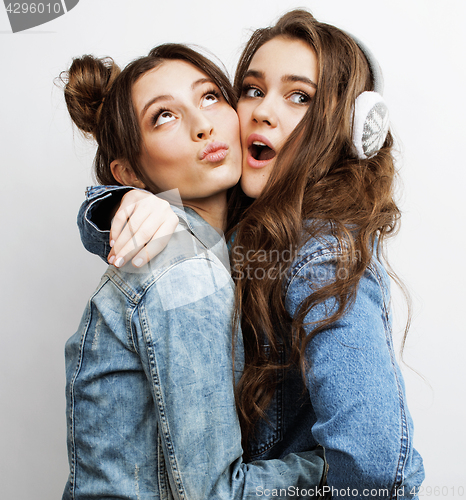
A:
(190, 371)
(94, 217)
(355, 384)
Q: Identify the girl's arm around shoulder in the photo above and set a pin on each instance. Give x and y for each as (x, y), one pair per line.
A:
(120, 223)
(355, 384)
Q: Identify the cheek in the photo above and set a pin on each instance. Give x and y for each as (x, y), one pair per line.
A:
(243, 115)
(232, 123)
(160, 157)
(162, 152)
(293, 121)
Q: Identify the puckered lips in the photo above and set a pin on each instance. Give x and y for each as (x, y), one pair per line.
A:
(260, 151)
(214, 152)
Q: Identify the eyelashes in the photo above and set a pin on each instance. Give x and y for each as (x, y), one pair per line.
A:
(160, 111)
(214, 92)
(157, 114)
(249, 91)
(300, 97)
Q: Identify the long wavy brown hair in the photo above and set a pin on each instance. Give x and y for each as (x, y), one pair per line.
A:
(317, 183)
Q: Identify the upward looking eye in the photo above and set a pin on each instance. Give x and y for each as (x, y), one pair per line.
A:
(209, 99)
(164, 117)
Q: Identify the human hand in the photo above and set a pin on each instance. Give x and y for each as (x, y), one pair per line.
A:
(141, 228)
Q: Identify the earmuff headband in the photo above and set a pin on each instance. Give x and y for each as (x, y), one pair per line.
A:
(370, 112)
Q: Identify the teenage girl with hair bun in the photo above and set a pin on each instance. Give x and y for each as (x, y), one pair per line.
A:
(317, 182)
(150, 378)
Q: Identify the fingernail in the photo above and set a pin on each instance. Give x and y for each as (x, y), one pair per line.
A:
(138, 262)
(119, 262)
(111, 259)
(112, 242)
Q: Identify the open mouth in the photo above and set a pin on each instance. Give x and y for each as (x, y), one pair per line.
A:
(261, 152)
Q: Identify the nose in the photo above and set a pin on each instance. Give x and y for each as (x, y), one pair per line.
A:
(202, 127)
(265, 112)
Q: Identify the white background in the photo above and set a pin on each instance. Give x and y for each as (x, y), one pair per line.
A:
(47, 276)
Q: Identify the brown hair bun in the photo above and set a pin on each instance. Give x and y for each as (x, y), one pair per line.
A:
(87, 83)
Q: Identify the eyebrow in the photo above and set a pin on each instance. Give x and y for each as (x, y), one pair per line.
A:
(298, 78)
(165, 97)
(168, 97)
(201, 81)
(285, 78)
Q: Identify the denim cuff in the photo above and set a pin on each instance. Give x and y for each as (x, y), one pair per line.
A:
(94, 217)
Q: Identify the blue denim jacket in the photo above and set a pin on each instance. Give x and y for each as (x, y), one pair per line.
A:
(355, 404)
(150, 402)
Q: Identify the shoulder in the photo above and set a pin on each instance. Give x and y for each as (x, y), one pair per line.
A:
(320, 262)
(314, 262)
(318, 257)
(325, 248)
(188, 269)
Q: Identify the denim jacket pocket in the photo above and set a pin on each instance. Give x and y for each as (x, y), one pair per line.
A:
(269, 431)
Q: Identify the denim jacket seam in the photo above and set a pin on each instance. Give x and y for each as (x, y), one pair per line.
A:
(162, 474)
(132, 344)
(278, 435)
(332, 251)
(404, 440)
(72, 388)
(155, 379)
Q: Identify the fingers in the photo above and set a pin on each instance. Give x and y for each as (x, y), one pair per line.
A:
(141, 219)
(129, 203)
(133, 239)
(139, 228)
(157, 244)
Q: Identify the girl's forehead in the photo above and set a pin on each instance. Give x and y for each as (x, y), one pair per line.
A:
(284, 57)
(173, 71)
(169, 79)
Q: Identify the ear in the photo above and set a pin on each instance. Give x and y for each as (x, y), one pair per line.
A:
(125, 175)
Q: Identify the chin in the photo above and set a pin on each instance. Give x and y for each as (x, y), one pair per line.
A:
(251, 191)
(252, 185)
(229, 177)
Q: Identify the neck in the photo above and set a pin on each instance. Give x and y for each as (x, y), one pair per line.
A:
(212, 209)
